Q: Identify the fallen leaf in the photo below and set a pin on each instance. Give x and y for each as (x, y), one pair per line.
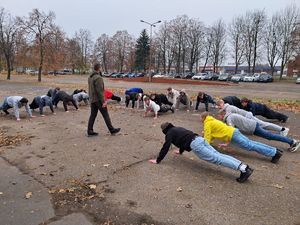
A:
(106, 165)
(92, 186)
(277, 186)
(1, 193)
(62, 191)
(28, 195)
(179, 189)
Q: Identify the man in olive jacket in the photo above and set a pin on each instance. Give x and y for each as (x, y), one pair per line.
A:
(97, 102)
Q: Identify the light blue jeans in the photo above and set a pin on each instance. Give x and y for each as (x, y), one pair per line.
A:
(206, 152)
(243, 142)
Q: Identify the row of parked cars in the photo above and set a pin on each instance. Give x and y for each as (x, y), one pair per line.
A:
(57, 72)
(235, 77)
(123, 75)
(200, 76)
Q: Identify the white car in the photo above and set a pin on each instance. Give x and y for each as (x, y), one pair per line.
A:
(298, 80)
(256, 76)
(249, 78)
(199, 76)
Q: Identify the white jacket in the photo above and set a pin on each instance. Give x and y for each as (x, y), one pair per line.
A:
(151, 107)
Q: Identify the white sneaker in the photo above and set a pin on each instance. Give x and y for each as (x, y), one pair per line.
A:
(285, 132)
(295, 146)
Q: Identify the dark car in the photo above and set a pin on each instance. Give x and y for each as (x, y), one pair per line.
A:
(188, 75)
(265, 78)
(224, 77)
(211, 76)
(140, 75)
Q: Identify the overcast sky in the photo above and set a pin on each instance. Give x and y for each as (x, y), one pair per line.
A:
(108, 16)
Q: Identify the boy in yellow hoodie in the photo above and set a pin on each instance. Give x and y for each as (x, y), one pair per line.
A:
(216, 129)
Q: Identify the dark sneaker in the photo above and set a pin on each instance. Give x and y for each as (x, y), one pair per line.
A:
(245, 175)
(91, 133)
(115, 130)
(277, 156)
(172, 110)
(285, 120)
(6, 112)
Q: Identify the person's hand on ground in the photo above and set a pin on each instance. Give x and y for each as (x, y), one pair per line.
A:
(176, 152)
(42, 115)
(32, 116)
(104, 104)
(18, 119)
(67, 111)
(153, 161)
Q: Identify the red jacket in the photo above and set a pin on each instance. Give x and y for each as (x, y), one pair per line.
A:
(108, 94)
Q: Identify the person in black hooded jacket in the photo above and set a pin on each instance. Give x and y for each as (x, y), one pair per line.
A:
(65, 98)
(233, 100)
(187, 140)
(160, 99)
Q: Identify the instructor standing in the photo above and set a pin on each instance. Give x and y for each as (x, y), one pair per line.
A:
(97, 101)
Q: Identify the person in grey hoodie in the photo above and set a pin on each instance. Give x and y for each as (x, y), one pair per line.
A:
(250, 126)
(184, 100)
(15, 102)
(266, 125)
(81, 96)
(41, 102)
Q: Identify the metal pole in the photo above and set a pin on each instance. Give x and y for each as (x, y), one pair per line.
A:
(150, 45)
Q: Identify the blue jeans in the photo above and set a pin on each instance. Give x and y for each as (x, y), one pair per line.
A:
(206, 152)
(243, 142)
(4, 106)
(259, 131)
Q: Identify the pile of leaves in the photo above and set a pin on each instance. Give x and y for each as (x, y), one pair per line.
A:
(12, 140)
(76, 196)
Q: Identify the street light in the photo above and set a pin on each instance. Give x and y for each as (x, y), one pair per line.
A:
(151, 25)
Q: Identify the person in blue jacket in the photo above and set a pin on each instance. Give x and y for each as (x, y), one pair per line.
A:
(134, 89)
(40, 102)
(262, 110)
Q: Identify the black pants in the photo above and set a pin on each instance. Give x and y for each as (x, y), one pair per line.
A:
(34, 104)
(115, 98)
(164, 100)
(271, 114)
(65, 101)
(95, 106)
(165, 108)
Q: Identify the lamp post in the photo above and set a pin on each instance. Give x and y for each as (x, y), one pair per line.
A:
(151, 25)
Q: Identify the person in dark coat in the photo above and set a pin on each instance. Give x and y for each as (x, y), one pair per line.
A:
(204, 98)
(187, 140)
(65, 98)
(52, 93)
(233, 100)
(259, 109)
(40, 102)
(98, 102)
(160, 99)
(133, 97)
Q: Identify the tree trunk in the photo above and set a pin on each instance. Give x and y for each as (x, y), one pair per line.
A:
(8, 66)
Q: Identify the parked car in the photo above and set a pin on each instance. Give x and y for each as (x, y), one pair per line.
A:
(236, 78)
(211, 76)
(140, 75)
(188, 75)
(131, 75)
(199, 76)
(298, 80)
(117, 75)
(248, 78)
(265, 78)
(224, 77)
(256, 76)
(177, 75)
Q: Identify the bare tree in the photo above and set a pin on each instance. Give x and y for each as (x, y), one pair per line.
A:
(162, 40)
(84, 39)
(194, 39)
(40, 25)
(259, 18)
(178, 31)
(8, 32)
(237, 41)
(102, 49)
(271, 41)
(208, 47)
(288, 20)
(218, 43)
(121, 48)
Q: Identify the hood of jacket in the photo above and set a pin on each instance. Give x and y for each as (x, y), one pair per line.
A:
(169, 126)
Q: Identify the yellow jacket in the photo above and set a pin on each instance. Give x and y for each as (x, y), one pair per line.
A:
(214, 128)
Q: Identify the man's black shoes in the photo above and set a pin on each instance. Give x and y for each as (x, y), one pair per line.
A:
(245, 175)
(277, 156)
(91, 133)
(115, 130)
